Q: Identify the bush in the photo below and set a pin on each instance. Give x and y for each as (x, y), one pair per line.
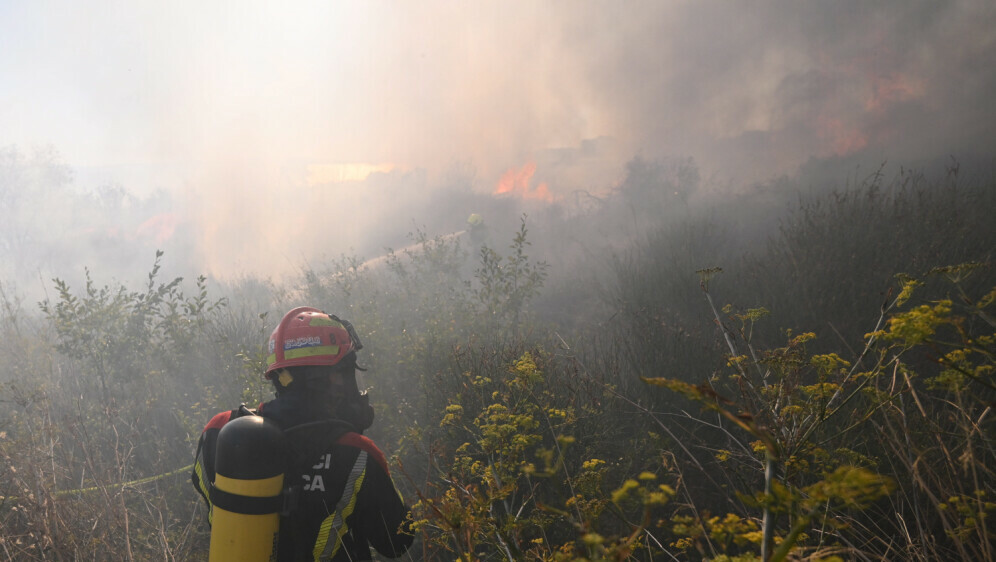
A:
(102, 401)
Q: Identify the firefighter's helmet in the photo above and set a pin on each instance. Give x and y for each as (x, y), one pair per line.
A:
(308, 336)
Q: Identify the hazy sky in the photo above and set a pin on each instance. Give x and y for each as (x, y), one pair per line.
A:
(249, 101)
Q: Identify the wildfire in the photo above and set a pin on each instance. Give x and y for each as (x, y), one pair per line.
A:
(335, 173)
(842, 139)
(517, 182)
(892, 88)
(160, 227)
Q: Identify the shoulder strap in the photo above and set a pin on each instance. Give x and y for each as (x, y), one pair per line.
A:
(307, 441)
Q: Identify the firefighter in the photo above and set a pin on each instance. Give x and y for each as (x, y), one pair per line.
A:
(339, 499)
(477, 230)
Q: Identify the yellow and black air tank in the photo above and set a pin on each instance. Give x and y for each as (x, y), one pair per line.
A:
(246, 495)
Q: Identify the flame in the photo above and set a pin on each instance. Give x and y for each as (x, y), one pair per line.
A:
(335, 173)
(892, 88)
(516, 182)
(159, 227)
(842, 138)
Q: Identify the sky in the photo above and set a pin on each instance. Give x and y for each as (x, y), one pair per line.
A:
(256, 116)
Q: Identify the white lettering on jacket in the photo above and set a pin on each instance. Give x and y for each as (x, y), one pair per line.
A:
(313, 483)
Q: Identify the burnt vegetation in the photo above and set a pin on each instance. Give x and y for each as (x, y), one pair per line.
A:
(786, 373)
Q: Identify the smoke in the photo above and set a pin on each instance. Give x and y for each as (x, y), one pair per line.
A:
(269, 125)
(753, 92)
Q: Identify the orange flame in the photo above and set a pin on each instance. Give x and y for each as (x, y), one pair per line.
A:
(891, 88)
(160, 227)
(516, 182)
(842, 139)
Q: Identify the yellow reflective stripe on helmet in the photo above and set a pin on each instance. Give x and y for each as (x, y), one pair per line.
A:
(334, 526)
(311, 351)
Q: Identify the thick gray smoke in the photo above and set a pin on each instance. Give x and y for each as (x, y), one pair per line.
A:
(235, 136)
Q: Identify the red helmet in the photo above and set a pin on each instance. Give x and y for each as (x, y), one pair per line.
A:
(308, 336)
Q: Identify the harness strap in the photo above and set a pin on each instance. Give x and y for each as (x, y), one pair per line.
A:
(334, 526)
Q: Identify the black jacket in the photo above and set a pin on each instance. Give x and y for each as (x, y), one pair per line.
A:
(345, 500)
